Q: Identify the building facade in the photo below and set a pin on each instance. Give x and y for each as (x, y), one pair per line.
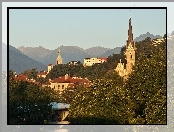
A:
(123, 70)
(66, 81)
(92, 61)
(50, 66)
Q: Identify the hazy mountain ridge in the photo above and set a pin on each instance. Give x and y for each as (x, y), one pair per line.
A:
(68, 53)
(111, 51)
(19, 62)
(143, 36)
(96, 51)
(42, 56)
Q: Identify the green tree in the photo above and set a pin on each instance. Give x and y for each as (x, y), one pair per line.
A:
(146, 87)
(101, 103)
(31, 73)
(29, 103)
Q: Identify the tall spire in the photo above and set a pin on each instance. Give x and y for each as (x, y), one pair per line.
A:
(59, 55)
(59, 58)
(130, 34)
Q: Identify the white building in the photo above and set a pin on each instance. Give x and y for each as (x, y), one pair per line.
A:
(92, 61)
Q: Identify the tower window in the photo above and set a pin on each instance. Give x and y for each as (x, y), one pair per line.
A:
(131, 56)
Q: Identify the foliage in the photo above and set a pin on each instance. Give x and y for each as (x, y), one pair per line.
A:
(146, 87)
(31, 73)
(101, 103)
(29, 103)
(140, 100)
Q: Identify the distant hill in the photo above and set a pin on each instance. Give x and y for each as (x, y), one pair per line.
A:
(19, 62)
(68, 53)
(96, 51)
(111, 51)
(36, 53)
(143, 36)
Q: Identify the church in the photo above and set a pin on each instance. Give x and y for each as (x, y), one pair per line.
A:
(130, 56)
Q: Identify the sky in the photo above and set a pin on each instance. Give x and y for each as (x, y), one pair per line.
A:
(84, 28)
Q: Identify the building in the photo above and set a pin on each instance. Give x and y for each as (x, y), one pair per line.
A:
(50, 66)
(42, 74)
(66, 81)
(92, 61)
(59, 58)
(123, 70)
(74, 63)
(22, 77)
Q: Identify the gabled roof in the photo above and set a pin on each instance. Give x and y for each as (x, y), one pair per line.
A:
(69, 79)
(42, 73)
(21, 77)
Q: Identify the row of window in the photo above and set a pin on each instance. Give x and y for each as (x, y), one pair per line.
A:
(59, 87)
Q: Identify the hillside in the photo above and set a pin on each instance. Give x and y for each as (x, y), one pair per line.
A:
(19, 62)
(68, 53)
(111, 51)
(96, 51)
(143, 36)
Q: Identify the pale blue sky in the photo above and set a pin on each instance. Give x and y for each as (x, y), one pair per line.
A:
(79, 27)
(100, 28)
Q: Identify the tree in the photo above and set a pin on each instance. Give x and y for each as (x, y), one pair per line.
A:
(101, 103)
(29, 103)
(146, 88)
(31, 73)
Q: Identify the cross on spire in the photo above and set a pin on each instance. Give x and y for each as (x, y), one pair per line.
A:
(129, 13)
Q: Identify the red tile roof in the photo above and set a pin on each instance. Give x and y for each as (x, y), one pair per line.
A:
(105, 59)
(70, 80)
(21, 77)
(49, 64)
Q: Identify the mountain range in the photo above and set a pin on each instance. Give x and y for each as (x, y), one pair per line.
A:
(143, 36)
(18, 61)
(68, 53)
(23, 58)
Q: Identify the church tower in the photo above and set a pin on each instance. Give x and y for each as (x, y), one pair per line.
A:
(59, 58)
(130, 50)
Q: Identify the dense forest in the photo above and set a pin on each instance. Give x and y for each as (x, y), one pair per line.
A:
(141, 99)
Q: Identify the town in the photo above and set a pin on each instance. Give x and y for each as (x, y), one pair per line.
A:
(110, 79)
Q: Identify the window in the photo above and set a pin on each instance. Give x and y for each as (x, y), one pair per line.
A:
(62, 86)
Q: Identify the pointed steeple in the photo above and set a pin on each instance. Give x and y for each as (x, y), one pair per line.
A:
(130, 34)
(59, 55)
(59, 58)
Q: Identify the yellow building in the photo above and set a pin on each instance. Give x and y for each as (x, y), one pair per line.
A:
(50, 66)
(66, 81)
(42, 74)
